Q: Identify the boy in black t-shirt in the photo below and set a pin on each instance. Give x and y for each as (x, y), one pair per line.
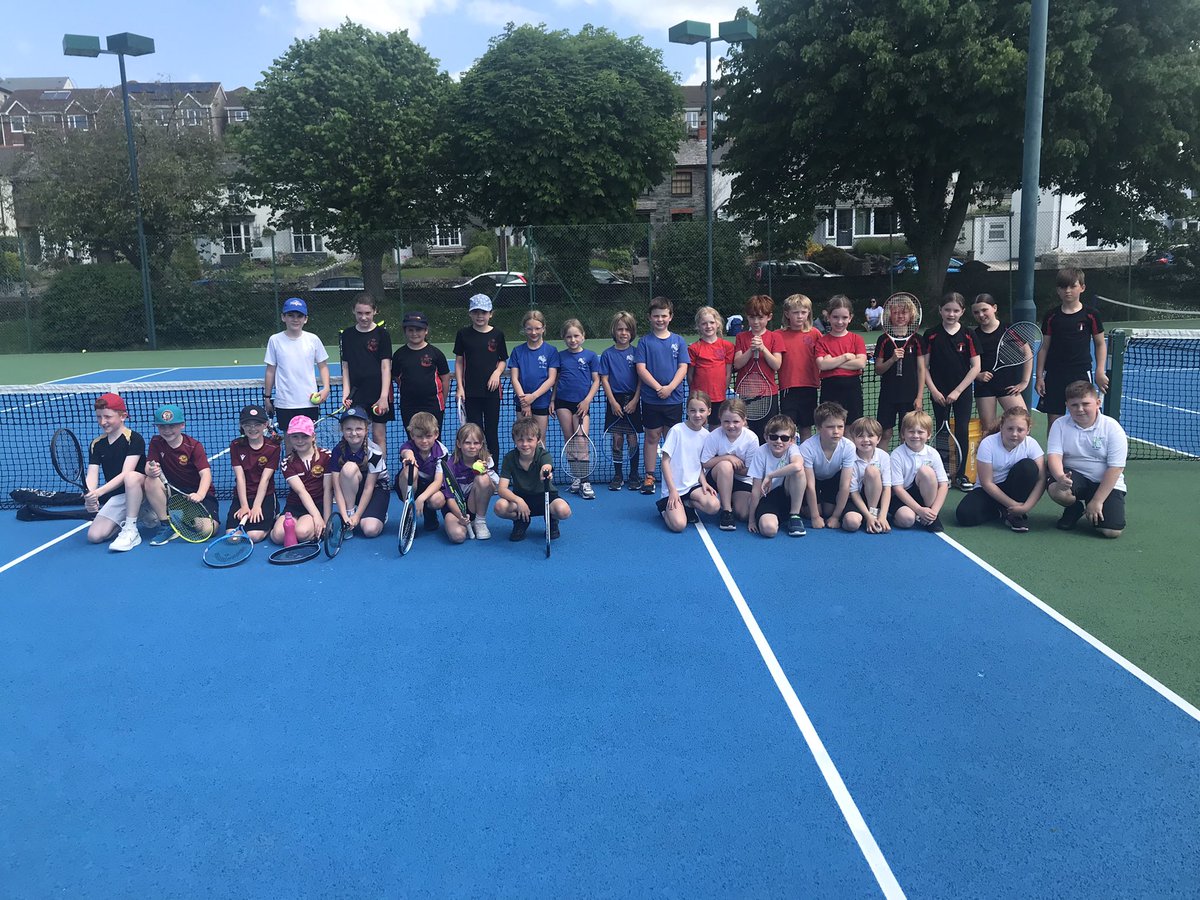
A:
(480, 357)
(366, 353)
(1065, 355)
(420, 371)
(120, 454)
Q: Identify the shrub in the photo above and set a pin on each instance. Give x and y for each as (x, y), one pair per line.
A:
(94, 307)
(478, 261)
(881, 246)
(837, 260)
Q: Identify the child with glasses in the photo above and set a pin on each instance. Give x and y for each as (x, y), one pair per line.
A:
(777, 489)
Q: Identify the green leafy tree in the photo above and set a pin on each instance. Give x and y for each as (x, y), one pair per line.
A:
(76, 188)
(923, 101)
(681, 268)
(349, 134)
(563, 129)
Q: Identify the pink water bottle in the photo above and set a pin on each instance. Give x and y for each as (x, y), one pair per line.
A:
(289, 530)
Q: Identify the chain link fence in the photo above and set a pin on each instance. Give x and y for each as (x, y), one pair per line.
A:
(59, 299)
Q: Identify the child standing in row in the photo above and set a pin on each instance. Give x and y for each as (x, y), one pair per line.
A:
(291, 356)
(828, 467)
(1012, 475)
(951, 364)
(578, 381)
(684, 486)
(991, 388)
(420, 370)
(870, 481)
(1069, 335)
(841, 357)
(255, 459)
(662, 364)
(901, 386)
(622, 395)
(919, 481)
(799, 376)
(366, 353)
(726, 460)
(777, 482)
(710, 360)
(757, 349)
(533, 371)
(480, 357)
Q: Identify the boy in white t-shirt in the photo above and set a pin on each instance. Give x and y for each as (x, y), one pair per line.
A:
(870, 480)
(1085, 455)
(291, 356)
(919, 481)
(684, 487)
(777, 470)
(828, 466)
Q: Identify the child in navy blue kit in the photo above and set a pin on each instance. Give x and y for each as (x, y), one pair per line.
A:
(578, 381)
(622, 396)
(480, 357)
(420, 370)
(662, 364)
(533, 370)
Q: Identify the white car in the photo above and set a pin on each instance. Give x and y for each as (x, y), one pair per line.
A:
(489, 281)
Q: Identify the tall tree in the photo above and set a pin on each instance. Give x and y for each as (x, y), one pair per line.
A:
(76, 187)
(922, 102)
(348, 133)
(564, 129)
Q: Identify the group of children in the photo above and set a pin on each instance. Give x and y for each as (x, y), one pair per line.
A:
(768, 472)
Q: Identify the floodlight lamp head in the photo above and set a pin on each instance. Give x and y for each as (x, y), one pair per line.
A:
(689, 32)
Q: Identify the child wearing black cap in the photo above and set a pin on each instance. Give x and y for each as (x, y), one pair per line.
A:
(255, 459)
(420, 370)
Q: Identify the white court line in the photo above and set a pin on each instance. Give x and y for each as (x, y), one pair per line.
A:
(1179, 409)
(150, 375)
(68, 378)
(1145, 677)
(858, 826)
(45, 546)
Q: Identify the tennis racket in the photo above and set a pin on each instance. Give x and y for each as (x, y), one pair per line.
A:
(230, 549)
(948, 448)
(546, 484)
(579, 454)
(190, 520)
(408, 512)
(757, 391)
(66, 454)
(297, 553)
(1016, 345)
(901, 319)
(453, 486)
(335, 533)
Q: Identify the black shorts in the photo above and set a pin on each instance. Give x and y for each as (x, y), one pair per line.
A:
(891, 414)
(827, 489)
(661, 417)
(661, 502)
(367, 396)
(635, 417)
(377, 506)
(845, 390)
(741, 487)
(270, 510)
(284, 416)
(1055, 401)
(214, 509)
(537, 502)
(777, 503)
(408, 410)
(1114, 503)
(798, 404)
(1000, 383)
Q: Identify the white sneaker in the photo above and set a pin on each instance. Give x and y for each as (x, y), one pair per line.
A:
(482, 532)
(574, 489)
(470, 531)
(126, 540)
(586, 492)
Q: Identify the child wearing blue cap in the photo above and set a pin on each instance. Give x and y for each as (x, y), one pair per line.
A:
(182, 460)
(291, 356)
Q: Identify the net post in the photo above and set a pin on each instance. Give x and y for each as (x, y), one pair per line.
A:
(1112, 399)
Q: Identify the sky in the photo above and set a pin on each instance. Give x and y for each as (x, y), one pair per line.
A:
(233, 41)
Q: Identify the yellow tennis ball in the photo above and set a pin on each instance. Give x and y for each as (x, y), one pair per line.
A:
(83, 351)
(235, 362)
(479, 466)
(316, 399)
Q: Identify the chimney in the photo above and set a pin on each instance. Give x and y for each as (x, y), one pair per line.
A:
(703, 132)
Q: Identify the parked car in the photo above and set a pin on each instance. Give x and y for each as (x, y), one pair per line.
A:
(489, 281)
(909, 264)
(340, 283)
(607, 276)
(792, 268)
(1176, 256)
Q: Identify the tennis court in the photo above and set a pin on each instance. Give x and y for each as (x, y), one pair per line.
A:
(696, 715)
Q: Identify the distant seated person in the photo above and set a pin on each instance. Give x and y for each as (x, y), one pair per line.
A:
(874, 316)
(1085, 458)
(734, 325)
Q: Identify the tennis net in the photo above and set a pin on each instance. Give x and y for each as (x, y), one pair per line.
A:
(1154, 390)
(30, 414)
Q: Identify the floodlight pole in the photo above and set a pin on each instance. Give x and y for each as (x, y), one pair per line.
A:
(1024, 307)
(691, 32)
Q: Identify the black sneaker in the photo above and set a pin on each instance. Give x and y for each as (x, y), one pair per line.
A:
(518, 532)
(692, 517)
(616, 484)
(964, 484)
(1070, 517)
(431, 520)
(935, 527)
(795, 527)
(1019, 524)
(555, 534)
(727, 521)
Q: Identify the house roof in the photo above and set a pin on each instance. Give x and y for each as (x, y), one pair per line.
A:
(238, 97)
(37, 100)
(53, 83)
(172, 93)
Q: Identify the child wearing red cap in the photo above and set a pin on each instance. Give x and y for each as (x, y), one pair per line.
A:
(120, 453)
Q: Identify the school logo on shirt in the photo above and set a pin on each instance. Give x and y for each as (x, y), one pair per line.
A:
(629, 358)
(674, 351)
(427, 361)
(492, 345)
(182, 459)
(542, 360)
(318, 469)
(262, 460)
(581, 363)
(372, 345)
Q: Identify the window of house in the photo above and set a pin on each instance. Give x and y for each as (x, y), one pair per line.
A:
(829, 228)
(79, 123)
(884, 221)
(191, 117)
(446, 236)
(997, 232)
(862, 220)
(691, 118)
(18, 124)
(305, 240)
(1095, 243)
(681, 184)
(237, 237)
(49, 119)
(239, 115)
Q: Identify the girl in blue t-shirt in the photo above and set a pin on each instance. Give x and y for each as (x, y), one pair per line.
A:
(578, 381)
(533, 370)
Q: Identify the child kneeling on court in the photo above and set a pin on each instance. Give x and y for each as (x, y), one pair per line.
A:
(360, 476)
(919, 481)
(1011, 472)
(424, 450)
(522, 490)
(120, 453)
(1085, 455)
(685, 488)
(181, 459)
(777, 489)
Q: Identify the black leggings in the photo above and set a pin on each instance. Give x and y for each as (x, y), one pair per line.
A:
(846, 390)
(979, 506)
(962, 427)
(485, 412)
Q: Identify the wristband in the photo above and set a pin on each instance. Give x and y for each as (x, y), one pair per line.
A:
(874, 511)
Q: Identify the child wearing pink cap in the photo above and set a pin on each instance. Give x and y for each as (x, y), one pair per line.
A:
(310, 483)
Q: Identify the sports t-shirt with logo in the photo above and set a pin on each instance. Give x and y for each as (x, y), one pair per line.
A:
(710, 362)
(773, 342)
(1071, 336)
(311, 473)
(799, 367)
(905, 464)
(949, 355)
(880, 461)
(253, 463)
(363, 351)
(895, 385)
(618, 365)
(480, 350)
(575, 371)
(533, 367)
(662, 358)
(421, 375)
(368, 457)
(828, 466)
(182, 465)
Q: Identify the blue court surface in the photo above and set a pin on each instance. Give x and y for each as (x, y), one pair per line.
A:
(695, 715)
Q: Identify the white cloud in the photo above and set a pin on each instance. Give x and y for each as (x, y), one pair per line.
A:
(266, 12)
(698, 72)
(664, 15)
(381, 15)
(499, 12)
